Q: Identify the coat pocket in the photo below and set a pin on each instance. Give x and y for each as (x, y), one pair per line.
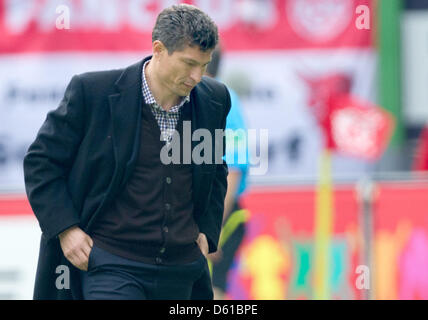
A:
(91, 258)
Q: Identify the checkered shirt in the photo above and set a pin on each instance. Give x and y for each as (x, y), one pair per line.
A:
(167, 120)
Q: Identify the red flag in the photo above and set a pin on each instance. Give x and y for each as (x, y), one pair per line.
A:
(321, 91)
(350, 125)
(358, 127)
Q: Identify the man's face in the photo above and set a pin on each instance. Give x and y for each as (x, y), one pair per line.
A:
(181, 71)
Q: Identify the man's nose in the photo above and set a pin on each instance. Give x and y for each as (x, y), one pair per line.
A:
(196, 75)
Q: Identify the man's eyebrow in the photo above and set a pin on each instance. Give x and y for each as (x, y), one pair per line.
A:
(195, 62)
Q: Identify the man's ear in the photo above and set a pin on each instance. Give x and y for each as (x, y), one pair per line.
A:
(158, 48)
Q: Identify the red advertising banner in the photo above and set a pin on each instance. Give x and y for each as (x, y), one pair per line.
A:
(269, 46)
(401, 241)
(276, 259)
(125, 25)
(14, 205)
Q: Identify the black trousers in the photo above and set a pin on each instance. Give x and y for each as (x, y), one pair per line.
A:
(110, 277)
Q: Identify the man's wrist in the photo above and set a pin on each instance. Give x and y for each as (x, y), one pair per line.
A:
(66, 231)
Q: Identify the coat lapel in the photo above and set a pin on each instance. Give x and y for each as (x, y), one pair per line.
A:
(125, 108)
(205, 112)
(205, 115)
(125, 111)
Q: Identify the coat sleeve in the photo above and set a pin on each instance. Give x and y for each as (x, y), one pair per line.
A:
(211, 222)
(49, 159)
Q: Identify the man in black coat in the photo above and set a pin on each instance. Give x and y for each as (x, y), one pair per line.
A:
(118, 220)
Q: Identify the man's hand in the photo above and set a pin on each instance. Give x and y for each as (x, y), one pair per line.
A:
(216, 256)
(203, 244)
(76, 246)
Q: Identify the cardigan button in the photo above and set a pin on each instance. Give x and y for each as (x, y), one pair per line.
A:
(168, 180)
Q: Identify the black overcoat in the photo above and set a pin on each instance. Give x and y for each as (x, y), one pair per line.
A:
(85, 152)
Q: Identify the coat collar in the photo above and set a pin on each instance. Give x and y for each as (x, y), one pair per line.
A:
(131, 76)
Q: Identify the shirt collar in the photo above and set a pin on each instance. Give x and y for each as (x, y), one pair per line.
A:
(150, 99)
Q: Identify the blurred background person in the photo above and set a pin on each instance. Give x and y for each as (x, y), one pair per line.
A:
(235, 217)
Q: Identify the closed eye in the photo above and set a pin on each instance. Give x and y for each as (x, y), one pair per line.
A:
(191, 63)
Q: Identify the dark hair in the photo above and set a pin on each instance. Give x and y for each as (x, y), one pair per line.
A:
(185, 25)
(214, 65)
